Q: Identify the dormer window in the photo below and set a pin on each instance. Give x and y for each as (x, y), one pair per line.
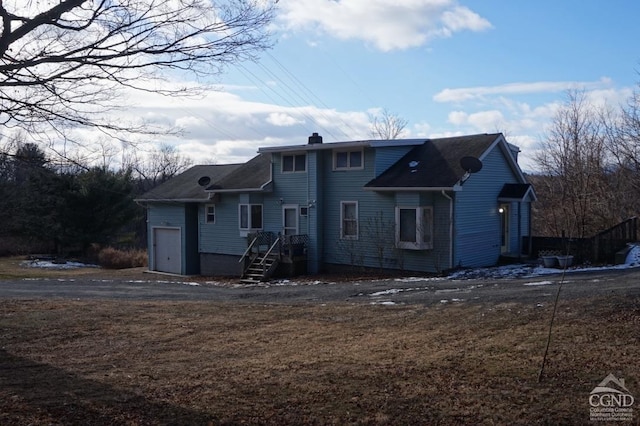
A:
(347, 160)
(294, 163)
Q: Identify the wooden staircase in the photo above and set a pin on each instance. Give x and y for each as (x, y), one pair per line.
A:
(259, 265)
(260, 269)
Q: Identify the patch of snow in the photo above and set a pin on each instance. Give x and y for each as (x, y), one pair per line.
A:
(384, 302)
(418, 279)
(448, 290)
(633, 257)
(49, 264)
(539, 283)
(387, 292)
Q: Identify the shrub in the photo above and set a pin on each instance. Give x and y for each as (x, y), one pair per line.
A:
(112, 258)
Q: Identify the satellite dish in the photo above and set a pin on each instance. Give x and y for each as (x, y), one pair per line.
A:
(204, 181)
(470, 164)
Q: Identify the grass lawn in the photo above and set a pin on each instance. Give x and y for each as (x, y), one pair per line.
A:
(107, 362)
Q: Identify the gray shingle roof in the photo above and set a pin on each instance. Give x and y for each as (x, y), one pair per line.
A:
(515, 191)
(185, 186)
(255, 174)
(434, 164)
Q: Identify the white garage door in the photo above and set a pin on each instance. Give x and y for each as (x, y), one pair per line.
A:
(167, 249)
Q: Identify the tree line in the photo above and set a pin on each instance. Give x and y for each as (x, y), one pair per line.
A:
(70, 208)
(589, 168)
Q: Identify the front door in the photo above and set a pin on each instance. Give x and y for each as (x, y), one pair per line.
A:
(290, 220)
(504, 228)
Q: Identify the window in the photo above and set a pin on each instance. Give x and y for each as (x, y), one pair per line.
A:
(345, 160)
(250, 216)
(349, 220)
(414, 228)
(210, 213)
(304, 211)
(294, 163)
(290, 220)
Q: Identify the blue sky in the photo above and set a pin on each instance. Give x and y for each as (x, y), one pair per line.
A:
(448, 67)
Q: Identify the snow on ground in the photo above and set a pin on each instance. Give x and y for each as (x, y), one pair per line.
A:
(50, 264)
(498, 272)
(539, 283)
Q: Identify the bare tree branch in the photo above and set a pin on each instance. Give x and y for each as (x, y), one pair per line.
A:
(386, 125)
(63, 63)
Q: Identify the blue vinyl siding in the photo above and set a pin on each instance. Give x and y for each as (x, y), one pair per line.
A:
(223, 236)
(386, 156)
(477, 221)
(376, 217)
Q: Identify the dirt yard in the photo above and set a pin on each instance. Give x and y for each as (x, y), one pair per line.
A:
(139, 363)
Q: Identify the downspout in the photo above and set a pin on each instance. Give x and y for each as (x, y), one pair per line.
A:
(444, 194)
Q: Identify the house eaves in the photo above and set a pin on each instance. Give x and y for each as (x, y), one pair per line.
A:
(171, 200)
(413, 189)
(342, 145)
(266, 187)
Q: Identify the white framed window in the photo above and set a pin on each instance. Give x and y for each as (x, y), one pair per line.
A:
(414, 228)
(293, 163)
(349, 220)
(210, 213)
(348, 160)
(250, 216)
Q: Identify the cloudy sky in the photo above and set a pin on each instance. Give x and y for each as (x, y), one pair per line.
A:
(447, 67)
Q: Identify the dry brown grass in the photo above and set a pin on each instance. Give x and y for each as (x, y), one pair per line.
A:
(197, 363)
(13, 268)
(112, 258)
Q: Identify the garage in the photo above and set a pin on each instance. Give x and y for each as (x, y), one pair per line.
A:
(167, 250)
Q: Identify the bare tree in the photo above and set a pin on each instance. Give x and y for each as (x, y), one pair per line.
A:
(160, 165)
(624, 138)
(63, 62)
(386, 125)
(576, 193)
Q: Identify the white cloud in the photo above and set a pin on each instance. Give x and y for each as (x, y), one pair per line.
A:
(482, 121)
(282, 120)
(224, 127)
(421, 130)
(478, 93)
(458, 118)
(386, 24)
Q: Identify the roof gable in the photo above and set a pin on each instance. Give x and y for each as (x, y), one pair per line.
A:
(434, 164)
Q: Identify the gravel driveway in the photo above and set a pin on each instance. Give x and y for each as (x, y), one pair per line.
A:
(429, 292)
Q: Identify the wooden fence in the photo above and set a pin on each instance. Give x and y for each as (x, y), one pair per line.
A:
(601, 248)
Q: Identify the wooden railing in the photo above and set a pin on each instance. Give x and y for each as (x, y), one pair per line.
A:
(606, 243)
(600, 248)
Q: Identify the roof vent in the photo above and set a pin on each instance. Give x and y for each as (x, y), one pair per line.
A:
(204, 181)
(314, 139)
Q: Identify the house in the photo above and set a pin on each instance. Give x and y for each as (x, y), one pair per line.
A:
(397, 204)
